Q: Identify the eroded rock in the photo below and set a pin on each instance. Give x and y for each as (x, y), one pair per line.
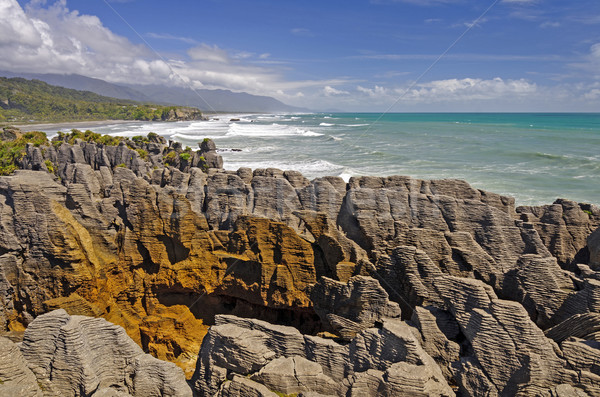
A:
(164, 250)
(288, 362)
(77, 355)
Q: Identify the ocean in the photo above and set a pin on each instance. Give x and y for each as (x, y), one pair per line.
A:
(534, 157)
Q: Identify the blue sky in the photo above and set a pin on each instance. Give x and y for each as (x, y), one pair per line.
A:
(371, 55)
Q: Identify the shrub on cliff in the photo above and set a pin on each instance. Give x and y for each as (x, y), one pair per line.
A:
(11, 152)
(88, 136)
(170, 158)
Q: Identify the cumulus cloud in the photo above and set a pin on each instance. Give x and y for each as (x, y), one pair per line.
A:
(452, 90)
(469, 89)
(50, 40)
(48, 37)
(330, 91)
(205, 52)
(166, 36)
(591, 62)
(374, 92)
(16, 29)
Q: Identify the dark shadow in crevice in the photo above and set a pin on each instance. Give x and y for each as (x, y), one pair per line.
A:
(176, 251)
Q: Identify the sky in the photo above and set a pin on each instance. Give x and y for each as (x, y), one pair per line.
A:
(351, 55)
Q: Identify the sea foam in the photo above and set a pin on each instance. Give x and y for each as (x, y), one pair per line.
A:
(262, 130)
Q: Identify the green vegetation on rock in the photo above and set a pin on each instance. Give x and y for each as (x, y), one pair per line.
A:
(169, 158)
(12, 151)
(89, 136)
(280, 394)
(143, 154)
(50, 166)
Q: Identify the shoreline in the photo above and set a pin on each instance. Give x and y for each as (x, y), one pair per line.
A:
(535, 173)
(96, 123)
(72, 124)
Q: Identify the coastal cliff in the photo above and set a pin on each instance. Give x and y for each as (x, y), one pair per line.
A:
(256, 282)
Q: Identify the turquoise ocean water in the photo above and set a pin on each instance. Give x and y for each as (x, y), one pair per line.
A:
(535, 158)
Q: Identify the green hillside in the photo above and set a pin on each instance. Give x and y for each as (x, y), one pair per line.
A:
(25, 101)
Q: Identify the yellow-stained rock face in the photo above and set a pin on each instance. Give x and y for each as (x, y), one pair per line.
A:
(272, 267)
(148, 262)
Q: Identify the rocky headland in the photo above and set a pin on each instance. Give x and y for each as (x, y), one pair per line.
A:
(139, 267)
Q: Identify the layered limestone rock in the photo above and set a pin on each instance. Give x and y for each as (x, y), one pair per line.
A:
(491, 345)
(81, 356)
(161, 240)
(351, 307)
(564, 228)
(288, 362)
(593, 245)
(17, 379)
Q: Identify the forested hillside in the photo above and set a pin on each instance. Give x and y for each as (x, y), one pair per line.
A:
(24, 100)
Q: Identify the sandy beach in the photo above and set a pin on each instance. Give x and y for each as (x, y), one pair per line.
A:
(71, 124)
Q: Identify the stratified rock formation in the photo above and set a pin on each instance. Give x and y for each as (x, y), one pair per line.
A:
(77, 355)
(263, 282)
(64, 355)
(17, 378)
(387, 361)
(351, 307)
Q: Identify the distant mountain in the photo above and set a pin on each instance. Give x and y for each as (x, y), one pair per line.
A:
(207, 100)
(219, 100)
(82, 83)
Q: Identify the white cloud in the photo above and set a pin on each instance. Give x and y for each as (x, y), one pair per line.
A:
(330, 91)
(469, 89)
(50, 38)
(16, 29)
(550, 24)
(302, 32)
(374, 92)
(474, 23)
(166, 36)
(591, 63)
(205, 52)
(455, 93)
(595, 51)
(243, 55)
(592, 94)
